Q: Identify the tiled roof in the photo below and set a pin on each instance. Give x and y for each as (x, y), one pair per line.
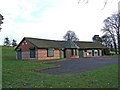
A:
(84, 44)
(45, 43)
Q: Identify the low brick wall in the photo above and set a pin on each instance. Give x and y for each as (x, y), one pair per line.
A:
(42, 54)
(74, 57)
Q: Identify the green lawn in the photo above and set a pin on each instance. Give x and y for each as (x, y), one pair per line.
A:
(19, 74)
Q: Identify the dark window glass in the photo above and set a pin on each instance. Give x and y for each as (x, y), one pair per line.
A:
(32, 52)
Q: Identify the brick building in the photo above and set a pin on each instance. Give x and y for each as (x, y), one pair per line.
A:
(43, 49)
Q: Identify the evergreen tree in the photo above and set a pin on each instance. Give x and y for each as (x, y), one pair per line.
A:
(6, 42)
(14, 43)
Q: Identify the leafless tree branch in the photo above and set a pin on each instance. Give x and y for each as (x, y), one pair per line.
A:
(87, 1)
(105, 3)
(81, 1)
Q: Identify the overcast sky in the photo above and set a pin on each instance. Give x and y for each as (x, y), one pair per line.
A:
(51, 19)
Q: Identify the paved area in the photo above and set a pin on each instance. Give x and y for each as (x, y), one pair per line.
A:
(80, 65)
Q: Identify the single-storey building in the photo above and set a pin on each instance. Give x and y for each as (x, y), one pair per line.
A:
(43, 49)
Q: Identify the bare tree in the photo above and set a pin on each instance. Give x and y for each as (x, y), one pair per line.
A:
(70, 35)
(111, 26)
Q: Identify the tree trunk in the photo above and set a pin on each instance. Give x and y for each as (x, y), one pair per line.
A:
(115, 45)
(118, 37)
(118, 34)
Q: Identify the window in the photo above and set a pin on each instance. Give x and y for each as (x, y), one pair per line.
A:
(50, 52)
(89, 52)
(96, 51)
(32, 52)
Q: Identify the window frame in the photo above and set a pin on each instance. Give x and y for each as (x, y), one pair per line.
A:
(89, 52)
(95, 50)
(49, 51)
(32, 52)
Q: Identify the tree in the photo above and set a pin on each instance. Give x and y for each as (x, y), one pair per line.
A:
(96, 38)
(6, 42)
(14, 43)
(107, 41)
(111, 27)
(118, 33)
(1, 18)
(70, 35)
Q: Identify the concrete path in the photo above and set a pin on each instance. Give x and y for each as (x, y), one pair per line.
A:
(80, 65)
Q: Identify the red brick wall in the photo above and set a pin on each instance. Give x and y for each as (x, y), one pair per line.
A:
(42, 54)
(84, 53)
(25, 45)
(68, 53)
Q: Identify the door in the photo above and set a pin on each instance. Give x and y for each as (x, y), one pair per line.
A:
(19, 55)
(80, 53)
(32, 53)
(98, 52)
(93, 52)
(103, 52)
(72, 52)
(64, 53)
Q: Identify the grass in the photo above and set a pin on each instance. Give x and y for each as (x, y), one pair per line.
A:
(113, 53)
(19, 74)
